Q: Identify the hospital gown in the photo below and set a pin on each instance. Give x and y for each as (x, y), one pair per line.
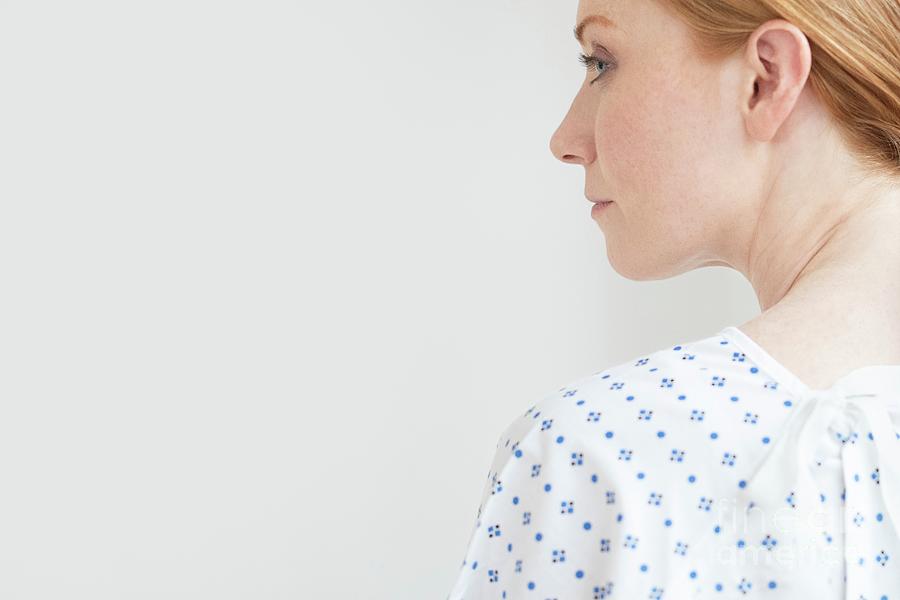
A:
(703, 470)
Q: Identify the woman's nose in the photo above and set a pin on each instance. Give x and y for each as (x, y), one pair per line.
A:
(570, 146)
(573, 140)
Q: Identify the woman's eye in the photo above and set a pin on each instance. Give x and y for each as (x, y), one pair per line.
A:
(593, 61)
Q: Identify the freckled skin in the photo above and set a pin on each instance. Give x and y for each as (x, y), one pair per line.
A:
(736, 163)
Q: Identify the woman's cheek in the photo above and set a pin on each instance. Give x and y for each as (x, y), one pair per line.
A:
(630, 149)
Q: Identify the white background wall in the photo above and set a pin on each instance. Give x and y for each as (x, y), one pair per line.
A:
(275, 275)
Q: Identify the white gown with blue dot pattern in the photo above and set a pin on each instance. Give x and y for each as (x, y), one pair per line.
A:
(705, 470)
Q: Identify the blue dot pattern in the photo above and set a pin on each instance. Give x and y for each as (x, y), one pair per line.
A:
(703, 470)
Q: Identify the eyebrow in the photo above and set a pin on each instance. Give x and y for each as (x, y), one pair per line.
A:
(592, 19)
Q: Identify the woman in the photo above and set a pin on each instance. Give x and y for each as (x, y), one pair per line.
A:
(761, 461)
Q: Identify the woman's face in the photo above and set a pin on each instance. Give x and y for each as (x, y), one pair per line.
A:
(660, 133)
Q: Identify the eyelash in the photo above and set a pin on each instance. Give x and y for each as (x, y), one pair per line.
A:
(593, 61)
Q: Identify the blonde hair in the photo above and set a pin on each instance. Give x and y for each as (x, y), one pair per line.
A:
(855, 70)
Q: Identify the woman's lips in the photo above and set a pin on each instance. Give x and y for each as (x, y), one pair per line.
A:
(599, 206)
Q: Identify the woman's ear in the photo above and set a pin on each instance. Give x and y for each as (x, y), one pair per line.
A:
(778, 60)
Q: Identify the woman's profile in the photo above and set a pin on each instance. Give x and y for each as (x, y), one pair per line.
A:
(761, 461)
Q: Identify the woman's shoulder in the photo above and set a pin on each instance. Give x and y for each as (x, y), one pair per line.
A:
(691, 388)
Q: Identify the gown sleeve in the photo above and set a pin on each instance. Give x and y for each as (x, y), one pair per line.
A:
(546, 508)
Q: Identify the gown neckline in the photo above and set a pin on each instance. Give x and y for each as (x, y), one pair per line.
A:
(878, 378)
